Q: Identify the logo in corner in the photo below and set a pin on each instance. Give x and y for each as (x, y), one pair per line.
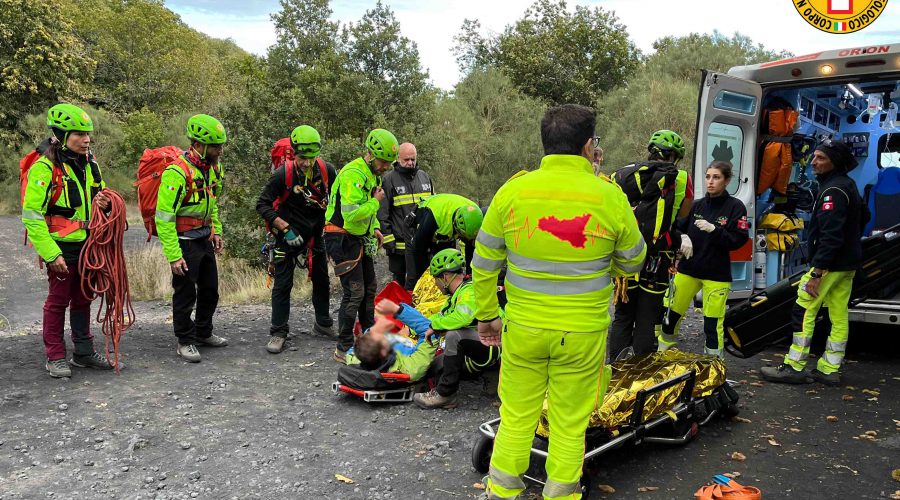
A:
(840, 16)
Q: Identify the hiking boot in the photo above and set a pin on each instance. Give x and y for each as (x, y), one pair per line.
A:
(784, 374)
(431, 399)
(275, 344)
(340, 356)
(832, 379)
(189, 353)
(213, 341)
(58, 368)
(326, 331)
(94, 361)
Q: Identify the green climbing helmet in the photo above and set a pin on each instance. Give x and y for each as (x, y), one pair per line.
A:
(448, 260)
(205, 130)
(467, 221)
(306, 141)
(69, 118)
(666, 140)
(383, 145)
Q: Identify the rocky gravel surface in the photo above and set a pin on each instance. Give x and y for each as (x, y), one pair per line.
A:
(247, 424)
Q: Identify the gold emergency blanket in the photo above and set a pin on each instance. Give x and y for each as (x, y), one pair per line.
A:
(427, 298)
(642, 372)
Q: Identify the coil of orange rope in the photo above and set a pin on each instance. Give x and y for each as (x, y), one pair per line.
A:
(104, 274)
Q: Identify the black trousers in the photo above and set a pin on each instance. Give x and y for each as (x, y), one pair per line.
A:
(358, 284)
(401, 264)
(634, 323)
(285, 263)
(200, 287)
(464, 357)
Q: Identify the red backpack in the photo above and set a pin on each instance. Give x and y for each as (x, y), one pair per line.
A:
(56, 181)
(283, 154)
(149, 175)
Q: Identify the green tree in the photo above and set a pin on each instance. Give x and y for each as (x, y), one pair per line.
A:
(556, 55)
(42, 60)
(304, 34)
(481, 135)
(472, 49)
(147, 57)
(684, 57)
(377, 49)
(143, 129)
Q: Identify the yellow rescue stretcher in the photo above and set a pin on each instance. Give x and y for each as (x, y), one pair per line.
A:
(657, 398)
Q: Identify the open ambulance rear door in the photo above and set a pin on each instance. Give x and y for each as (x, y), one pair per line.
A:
(728, 129)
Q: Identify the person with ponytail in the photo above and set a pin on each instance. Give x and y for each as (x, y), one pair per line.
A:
(60, 188)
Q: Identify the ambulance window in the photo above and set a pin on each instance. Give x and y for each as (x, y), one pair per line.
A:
(821, 116)
(732, 101)
(834, 121)
(889, 151)
(725, 142)
(807, 107)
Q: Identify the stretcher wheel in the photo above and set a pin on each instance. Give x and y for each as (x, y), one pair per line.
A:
(585, 484)
(481, 454)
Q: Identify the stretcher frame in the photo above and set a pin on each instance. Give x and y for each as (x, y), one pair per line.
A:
(400, 395)
(684, 415)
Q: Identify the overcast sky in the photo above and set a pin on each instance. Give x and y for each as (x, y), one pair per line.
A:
(432, 25)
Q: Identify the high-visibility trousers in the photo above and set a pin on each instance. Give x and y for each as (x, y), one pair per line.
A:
(565, 366)
(715, 297)
(834, 293)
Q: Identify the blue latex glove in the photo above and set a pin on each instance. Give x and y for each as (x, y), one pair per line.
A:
(293, 239)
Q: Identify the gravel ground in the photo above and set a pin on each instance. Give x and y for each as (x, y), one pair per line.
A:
(247, 424)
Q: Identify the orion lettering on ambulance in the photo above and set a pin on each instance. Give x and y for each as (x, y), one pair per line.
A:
(883, 49)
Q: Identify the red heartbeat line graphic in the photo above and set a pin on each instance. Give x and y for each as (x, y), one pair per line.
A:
(573, 231)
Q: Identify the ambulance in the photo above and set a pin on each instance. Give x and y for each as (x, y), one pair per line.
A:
(766, 120)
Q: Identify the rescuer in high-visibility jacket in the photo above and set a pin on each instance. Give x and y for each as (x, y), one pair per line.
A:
(440, 221)
(658, 193)
(564, 233)
(191, 235)
(61, 186)
(352, 234)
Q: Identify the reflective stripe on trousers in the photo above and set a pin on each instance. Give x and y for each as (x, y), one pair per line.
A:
(834, 293)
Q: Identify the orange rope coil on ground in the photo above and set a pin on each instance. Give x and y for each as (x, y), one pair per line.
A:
(104, 274)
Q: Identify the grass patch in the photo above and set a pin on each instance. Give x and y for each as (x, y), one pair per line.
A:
(239, 283)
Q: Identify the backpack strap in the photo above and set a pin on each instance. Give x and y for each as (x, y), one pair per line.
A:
(288, 183)
(56, 184)
(324, 171)
(188, 177)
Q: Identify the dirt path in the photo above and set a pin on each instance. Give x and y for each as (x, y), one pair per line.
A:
(247, 424)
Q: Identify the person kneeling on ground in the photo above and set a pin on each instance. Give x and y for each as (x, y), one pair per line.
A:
(463, 349)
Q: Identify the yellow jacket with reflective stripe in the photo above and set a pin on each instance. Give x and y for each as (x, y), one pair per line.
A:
(563, 233)
(73, 196)
(443, 206)
(170, 202)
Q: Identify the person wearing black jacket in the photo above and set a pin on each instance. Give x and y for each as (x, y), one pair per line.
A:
(404, 187)
(658, 193)
(835, 253)
(716, 226)
(293, 206)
